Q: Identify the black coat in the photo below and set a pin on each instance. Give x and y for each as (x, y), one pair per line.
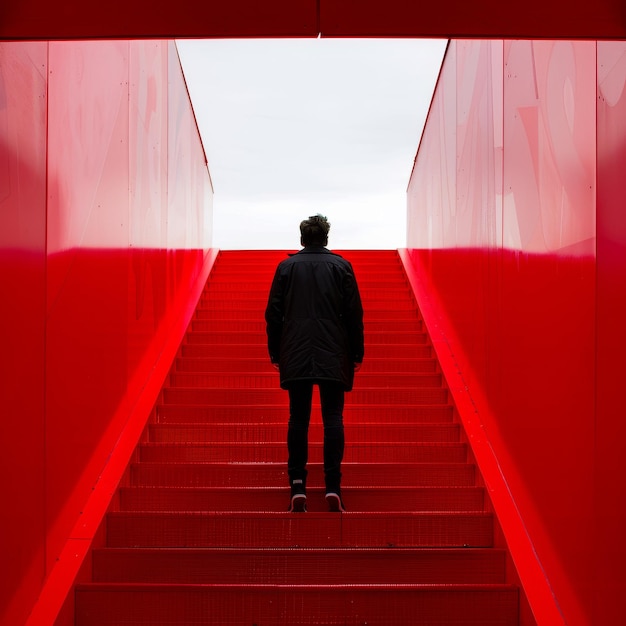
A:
(314, 318)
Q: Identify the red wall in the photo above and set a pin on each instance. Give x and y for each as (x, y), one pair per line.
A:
(610, 425)
(105, 228)
(516, 224)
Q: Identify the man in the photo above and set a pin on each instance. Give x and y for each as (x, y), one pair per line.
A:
(314, 321)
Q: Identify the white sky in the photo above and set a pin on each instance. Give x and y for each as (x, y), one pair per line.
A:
(300, 126)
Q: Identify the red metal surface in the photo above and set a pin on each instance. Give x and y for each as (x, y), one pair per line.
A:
(72, 19)
(502, 232)
(487, 19)
(104, 275)
(610, 427)
(222, 605)
(314, 566)
(203, 511)
(23, 70)
(527, 262)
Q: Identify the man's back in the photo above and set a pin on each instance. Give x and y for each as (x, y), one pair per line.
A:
(315, 318)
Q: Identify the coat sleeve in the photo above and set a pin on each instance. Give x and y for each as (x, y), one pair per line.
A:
(274, 314)
(353, 315)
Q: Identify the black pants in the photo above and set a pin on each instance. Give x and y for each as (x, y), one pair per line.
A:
(332, 400)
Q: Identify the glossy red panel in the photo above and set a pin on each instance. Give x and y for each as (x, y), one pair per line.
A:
(549, 178)
(88, 178)
(104, 273)
(610, 427)
(502, 226)
(23, 72)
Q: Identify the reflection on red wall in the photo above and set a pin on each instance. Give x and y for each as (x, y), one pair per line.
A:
(502, 226)
(23, 72)
(105, 225)
(610, 427)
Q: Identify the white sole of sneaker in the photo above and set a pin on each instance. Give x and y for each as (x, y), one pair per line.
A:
(334, 503)
(298, 503)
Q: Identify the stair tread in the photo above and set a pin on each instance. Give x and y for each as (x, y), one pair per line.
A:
(427, 432)
(380, 515)
(305, 587)
(263, 473)
(246, 498)
(353, 413)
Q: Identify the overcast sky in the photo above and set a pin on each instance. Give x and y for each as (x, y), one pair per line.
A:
(300, 126)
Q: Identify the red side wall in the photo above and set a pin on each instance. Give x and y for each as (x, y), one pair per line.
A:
(516, 222)
(105, 227)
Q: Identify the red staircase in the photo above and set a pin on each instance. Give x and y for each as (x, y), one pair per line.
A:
(202, 535)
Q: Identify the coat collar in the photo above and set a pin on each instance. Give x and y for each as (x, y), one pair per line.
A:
(314, 250)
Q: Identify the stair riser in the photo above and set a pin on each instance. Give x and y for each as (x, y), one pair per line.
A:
(234, 433)
(252, 311)
(310, 530)
(235, 286)
(246, 365)
(227, 337)
(300, 567)
(277, 499)
(287, 606)
(258, 326)
(269, 380)
(258, 303)
(259, 351)
(247, 397)
(275, 475)
(273, 452)
(400, 297)
(353, 414)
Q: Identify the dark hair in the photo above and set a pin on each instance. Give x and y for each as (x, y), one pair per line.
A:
(314, 231)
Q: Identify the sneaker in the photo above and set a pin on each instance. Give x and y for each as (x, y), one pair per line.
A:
(298, 503)
(298, 496)
(335, 503)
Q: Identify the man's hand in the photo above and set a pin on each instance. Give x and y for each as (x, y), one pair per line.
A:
(357, 367)
(275, 366)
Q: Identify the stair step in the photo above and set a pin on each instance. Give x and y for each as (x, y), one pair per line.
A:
(378, 303)
(259, 350)
(276, 432)
(276, 499)
(269, 379)
(312, 530)
(258, 325)
(235, 286)
(353, 413)
(275, 474)
(275, 451)
(255, 313)
(246, 365)
(400, 295)
(108, 604)
(301, 566)
(220, 336)
(381, 396)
